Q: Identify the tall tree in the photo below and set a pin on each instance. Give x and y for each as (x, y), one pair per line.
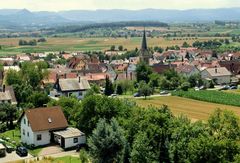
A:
(108, 87)
(107, 143)
(143, 71)
(144, 89)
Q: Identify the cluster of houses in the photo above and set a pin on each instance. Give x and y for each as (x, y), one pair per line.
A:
(42, 126)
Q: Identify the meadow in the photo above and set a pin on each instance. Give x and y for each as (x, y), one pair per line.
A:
(211, 96)
(194, 109)
(10, 45)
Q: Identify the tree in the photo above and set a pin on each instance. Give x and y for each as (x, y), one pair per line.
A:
(13, 77)
(107, 143)
(8, 114)
(112, 48)
(108, 87)
(154, 80)
(144, 89)
(187, 56)
(83, 156)
(38, 99)
(120, 48)
(143, 71)
(70, 106)
(185, 86)
(142, 149)
(119, 90)
(95, 89)
(185, 45)
(224, 124)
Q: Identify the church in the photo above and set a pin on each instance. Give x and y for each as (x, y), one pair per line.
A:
(144, 53)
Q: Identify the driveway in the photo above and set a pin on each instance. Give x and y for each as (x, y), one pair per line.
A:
(10, 157)
(50, 150)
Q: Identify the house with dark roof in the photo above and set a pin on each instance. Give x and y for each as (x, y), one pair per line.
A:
(42, 126)
(187, 70)
(7, 95)
(218, 74)
(72, 87)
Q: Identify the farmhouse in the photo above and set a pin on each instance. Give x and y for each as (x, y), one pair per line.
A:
(218, 74)
(42, 126)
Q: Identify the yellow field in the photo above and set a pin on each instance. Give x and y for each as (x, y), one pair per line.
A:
(195, 110)
(86, 44)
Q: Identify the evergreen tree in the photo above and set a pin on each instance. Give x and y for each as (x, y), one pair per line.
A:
(107, 143)
(108, 87)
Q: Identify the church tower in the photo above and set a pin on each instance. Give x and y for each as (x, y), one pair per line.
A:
(144, 53)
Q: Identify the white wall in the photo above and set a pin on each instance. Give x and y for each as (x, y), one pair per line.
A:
(32, 137)
(70, 143)
(46, 136)
(25, 138)
(220, 79)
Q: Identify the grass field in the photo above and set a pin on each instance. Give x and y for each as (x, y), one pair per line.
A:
(196, 110)
(10, 45)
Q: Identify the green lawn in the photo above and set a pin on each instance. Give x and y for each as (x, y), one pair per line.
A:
(14, 135)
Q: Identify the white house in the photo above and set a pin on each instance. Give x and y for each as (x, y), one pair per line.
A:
(187, 70)
(42, 126)
(218, 74)
(76, 86)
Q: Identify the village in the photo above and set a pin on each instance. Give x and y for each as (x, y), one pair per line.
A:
(80, 72)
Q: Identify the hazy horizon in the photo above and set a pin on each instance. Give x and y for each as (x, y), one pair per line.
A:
(63, 5)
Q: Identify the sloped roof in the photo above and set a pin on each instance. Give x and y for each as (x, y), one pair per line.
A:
(73, 84)
(218, 71)
(8, 95)
(42, 119)
(69, 133)
(185, 68)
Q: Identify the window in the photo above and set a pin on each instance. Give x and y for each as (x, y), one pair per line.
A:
(39, 137)
(23, 132)
(75, 140)
(28, 134)
(24, 121)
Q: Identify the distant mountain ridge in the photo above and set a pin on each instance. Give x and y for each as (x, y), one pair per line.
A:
(24, 17)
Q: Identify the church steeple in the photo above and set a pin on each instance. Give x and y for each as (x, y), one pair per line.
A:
(144, 53)
(144, 41)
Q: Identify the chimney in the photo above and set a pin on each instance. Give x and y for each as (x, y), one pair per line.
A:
(216, 69)
(4, 87)
(79, 79)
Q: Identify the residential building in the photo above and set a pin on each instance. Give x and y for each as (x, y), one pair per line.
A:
(72, 87)
(219, 75)
(42, 126)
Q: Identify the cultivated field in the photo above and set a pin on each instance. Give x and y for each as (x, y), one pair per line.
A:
(196, 110)
(10, 45)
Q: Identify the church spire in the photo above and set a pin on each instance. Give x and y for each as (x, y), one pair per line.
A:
(144, 41)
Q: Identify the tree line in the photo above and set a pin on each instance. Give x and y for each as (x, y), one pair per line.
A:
(118, 130)
(72, 29)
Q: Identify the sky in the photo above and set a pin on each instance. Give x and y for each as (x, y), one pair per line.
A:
(59, 5)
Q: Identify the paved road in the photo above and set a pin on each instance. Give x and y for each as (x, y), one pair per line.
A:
(10, 157)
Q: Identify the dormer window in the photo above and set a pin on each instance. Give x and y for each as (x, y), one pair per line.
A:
(49, 120)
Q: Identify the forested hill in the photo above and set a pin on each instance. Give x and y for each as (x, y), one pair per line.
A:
(79, 28)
